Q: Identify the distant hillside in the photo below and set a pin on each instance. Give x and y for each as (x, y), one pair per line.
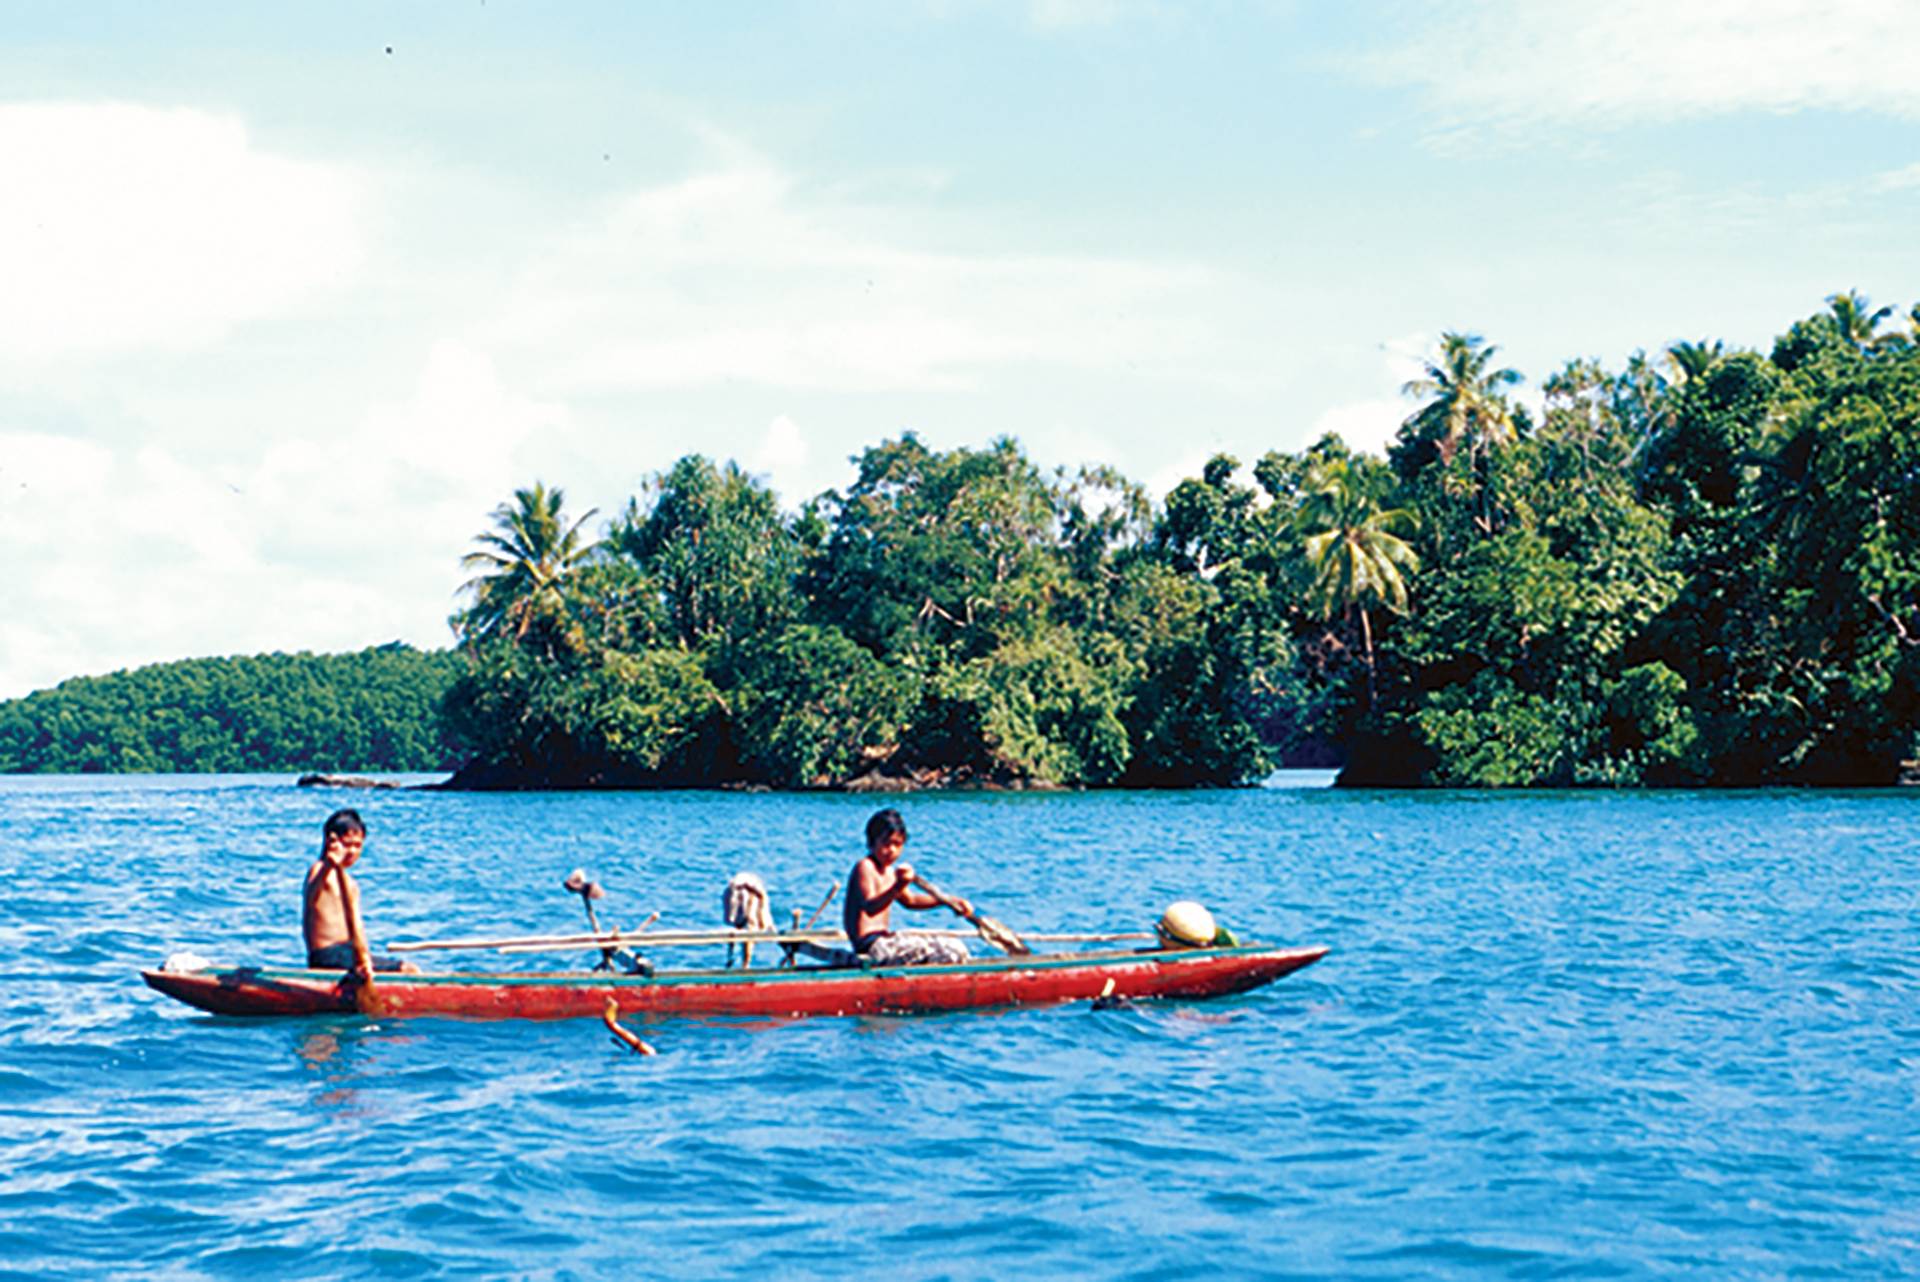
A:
(377, 709)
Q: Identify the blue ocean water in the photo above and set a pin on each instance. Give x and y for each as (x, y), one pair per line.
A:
(1559, 1035)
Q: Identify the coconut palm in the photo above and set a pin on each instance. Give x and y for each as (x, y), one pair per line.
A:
(1354, 553)
(523, 562)
(1467, 405)
(1694, 360)
(1857, 319)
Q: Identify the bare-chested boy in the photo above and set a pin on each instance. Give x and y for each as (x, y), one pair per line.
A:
(330, 913)
(875, 885)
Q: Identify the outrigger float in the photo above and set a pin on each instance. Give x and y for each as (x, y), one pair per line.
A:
(802, 990)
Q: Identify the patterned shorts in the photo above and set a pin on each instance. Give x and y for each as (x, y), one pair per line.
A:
(340, 957)
(918, 950)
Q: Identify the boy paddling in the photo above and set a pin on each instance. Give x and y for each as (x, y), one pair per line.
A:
(880, 881)
(330, 904)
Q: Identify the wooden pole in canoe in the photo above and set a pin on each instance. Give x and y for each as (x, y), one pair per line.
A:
(793, 950)
(690, 939)
(682, 939)
(836, 937)
(613, 938)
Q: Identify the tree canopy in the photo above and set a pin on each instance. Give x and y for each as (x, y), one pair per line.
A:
(372, 710)
(1700, 568)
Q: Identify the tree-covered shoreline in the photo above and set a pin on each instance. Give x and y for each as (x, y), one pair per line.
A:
(375, 709)
(1701, 569)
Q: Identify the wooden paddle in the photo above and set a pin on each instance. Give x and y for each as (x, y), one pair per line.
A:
(365, 997)
(994, 932)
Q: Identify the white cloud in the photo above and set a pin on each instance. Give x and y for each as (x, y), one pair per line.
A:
(1185, 466)
(332, 527)
(1516, 63)
(782, 449)
(1364, 425)
(127, 227)
(1371, 423)
(121, 557)
(741, 277)
(1905, 178)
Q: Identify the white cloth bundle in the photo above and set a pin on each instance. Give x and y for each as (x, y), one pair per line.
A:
(746, 904)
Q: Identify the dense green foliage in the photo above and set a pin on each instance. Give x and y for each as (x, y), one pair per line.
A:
(1707, 574)
(374, 710)
(1701, 569)
(1704, 568)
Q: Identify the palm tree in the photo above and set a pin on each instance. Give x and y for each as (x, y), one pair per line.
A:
(1354, 551)
(1856, 319)
(1694, 360)
(523, 562)
(1467, 405)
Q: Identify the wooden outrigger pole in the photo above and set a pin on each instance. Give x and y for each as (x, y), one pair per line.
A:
(688, 938)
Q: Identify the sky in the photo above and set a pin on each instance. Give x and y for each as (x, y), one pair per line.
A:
(293, 296)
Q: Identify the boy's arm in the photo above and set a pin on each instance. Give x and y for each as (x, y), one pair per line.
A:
(921, 900)
(881, 892)
(903, 891)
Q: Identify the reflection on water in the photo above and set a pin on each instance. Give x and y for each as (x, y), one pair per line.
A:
(346, 1056)
(318, 1048)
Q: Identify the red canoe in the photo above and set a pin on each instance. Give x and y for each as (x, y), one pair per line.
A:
(803, 990)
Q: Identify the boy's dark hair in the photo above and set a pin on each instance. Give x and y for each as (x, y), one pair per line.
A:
(342, 822)
(883, 825)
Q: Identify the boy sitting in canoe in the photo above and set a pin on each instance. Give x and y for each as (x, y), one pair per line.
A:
(330, 913)
(880, 881)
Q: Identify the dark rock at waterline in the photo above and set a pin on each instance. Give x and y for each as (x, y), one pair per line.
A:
(344, 781)
(875, 778)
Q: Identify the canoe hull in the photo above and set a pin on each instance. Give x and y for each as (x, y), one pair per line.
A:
(801, 991)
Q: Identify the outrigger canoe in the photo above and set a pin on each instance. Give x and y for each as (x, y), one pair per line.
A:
(798, 991)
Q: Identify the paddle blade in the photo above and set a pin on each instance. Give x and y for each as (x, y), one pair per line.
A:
(994, 932)
(998, 934)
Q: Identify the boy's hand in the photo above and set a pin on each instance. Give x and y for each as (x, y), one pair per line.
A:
(905, 872)
(962, 906)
